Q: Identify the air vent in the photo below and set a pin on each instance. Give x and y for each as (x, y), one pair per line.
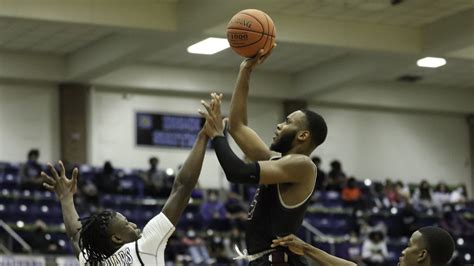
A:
(409, 78)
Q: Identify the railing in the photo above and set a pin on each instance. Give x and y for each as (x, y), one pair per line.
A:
(4, 250)
(318, 235)
(15, 236)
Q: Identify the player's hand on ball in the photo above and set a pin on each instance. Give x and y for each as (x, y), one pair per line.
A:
(293, 243)
(250, 63)
(63, 186)
(214, 125)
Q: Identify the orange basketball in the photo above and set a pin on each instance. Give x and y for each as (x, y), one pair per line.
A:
(249, 31)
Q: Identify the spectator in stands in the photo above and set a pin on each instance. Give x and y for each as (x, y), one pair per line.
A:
(459, 195)
(378, 198)
(370, 224)
(403, 193)
(336, 177)
(214, 213)
(374, 249)
(409, 219)
(236, 210)
(351, 194)
(41, 242)
(321, 175)
(236, 238)
(217, 250)
(455, 223)
(155, 179)
(30, 171)
(89, 191)
(107, 180)
(391, 194)
(196, 248)
(422, 199)
(441, 196)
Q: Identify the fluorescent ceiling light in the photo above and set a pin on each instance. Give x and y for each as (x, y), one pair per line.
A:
(432, 62)
(209, 46)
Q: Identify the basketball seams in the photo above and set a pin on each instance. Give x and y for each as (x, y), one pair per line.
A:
(256, 19)
(251, 31)
(266, 40)
(261, 37)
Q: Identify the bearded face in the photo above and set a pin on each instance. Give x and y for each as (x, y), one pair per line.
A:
(283, 142)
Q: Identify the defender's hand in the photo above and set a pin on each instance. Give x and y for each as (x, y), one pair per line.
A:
(63, 186)
(293, 243)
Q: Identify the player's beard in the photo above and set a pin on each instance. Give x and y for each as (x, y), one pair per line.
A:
(284, 144)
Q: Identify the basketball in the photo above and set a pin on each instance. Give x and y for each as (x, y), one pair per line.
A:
(249, 31)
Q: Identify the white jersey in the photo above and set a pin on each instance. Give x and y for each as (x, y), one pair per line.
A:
(151, 246)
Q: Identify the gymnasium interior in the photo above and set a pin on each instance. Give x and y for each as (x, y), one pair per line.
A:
(93, 82)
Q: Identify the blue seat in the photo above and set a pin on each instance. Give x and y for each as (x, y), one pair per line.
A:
(132, 184)
(9, 181)
(343, 249)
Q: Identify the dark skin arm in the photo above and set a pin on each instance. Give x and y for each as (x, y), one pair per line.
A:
(186, 181)
(247, 139)
(65, 188)
(302, 248)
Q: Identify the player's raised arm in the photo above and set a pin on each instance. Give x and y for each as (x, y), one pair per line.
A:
(186, 180)
(291, 169)
(65, 188)
(247, 139)
(301, 248)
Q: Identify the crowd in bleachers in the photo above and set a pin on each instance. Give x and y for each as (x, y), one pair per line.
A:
(367, 221)
(382, 215)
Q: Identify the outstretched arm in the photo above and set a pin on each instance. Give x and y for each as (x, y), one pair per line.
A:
(186, 180)
(291, 169)
(302, 248)
(65, 189)
(247, 139)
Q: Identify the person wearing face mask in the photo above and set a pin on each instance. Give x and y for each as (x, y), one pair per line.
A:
(214, 213)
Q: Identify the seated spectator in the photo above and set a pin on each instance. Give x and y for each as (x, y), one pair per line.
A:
(40, 242)
(374, 249)
(89, 191)
(409, 219)
(458, 195)
(455, 223)
(320, 176)
(236, 238)
(336, 177)
(217, 251)
(107, 180)
(441, 196)
(214, 213)
(403, 193)
(351, 194)
(370, 224)
(155, 179)
(391, 194)
(422, 199)
(378, 198)
(196, 248)
(236, 210)
(30, 171)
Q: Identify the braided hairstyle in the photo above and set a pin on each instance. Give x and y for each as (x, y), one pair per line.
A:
(94, 239)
